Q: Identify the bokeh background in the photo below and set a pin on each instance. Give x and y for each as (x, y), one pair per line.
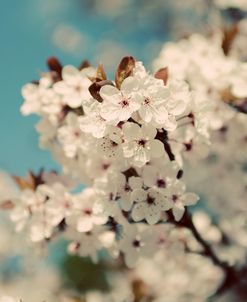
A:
(98, 30)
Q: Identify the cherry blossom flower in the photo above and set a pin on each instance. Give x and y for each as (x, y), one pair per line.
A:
(86, 212)
(86, 243)
(93, 122)
(179, 199)
(70, 135)
(140, 144)
(119, 105)
(149, 205)
(126, 189)
(135, 244)
(74, 86)
(154, 101)
(159, 175)
(41, 99)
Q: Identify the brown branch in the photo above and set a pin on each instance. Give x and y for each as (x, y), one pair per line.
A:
(207, 249)
(233, 275)
(162, 136)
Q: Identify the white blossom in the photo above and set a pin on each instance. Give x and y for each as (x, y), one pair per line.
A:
(74, 86)
(140, 144)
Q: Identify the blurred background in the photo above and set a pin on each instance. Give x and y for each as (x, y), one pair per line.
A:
(97, 30)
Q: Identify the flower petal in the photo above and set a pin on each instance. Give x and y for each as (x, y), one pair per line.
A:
(178, 211)
(156, 148)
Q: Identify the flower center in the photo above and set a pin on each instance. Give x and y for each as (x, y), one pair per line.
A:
(77, 133)
(124, 103)
(105, 166)
(161, 183)
(188, 146)
(147, 101)
(113, 144)
(127, 188)
(87, 212)
(150, 200)
(142, 142)
(111, 196)
(136, 243)
(174, 198)
(78, 88)
(67, 204)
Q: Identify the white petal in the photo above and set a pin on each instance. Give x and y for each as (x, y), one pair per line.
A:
(74, 101)
(110, 112)
(131, 259)
(166, 204)
(146, 113)
(190, 199)
(135, 182)
(153, 215)
(156, 148)
(128, 149)
(61, 88)
(131, 131)
(109, 91)
(177, 107)
(138, 195)
(141, 157)
(138, 212)
(149, 175)
(84, 224)
(170, 124)
(178, 211)
(149, 131)
(129, 85)
(29, 91)
(70, 74)
(126, 203)
(160, 114)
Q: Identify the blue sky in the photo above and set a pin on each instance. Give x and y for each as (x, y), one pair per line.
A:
(26, 29)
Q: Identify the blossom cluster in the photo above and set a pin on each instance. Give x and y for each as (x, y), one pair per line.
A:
(222, 81)
(150, 279)
(221, 177)
(126, 141)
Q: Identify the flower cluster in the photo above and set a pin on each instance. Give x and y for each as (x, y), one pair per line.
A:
(221, 177)
(220, 83)
(124, 284)
(126, 141)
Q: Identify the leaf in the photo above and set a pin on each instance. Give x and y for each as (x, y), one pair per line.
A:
(94, 89)
(84, 64)
(31, 182)
(55, 66)
(228, 38)
(124, 70)
(162, 74)
(24, 183)
(140, 290)
(101, 75)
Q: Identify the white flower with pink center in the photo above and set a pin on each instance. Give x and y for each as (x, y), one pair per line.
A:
(119, 105)
(149, 205)
(140, 144)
